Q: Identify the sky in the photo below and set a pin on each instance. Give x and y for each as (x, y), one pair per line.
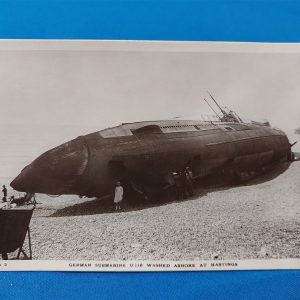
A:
(103, 88)
(54, 94)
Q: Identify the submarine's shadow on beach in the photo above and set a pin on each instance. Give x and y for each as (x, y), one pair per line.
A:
(105, 205)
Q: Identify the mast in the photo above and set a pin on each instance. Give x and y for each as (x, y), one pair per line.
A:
(213, 109)
(221, 109)
(230, 116)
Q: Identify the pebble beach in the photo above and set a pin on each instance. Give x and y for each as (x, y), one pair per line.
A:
(259, 219)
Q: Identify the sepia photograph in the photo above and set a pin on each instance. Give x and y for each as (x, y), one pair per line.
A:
(132, 155)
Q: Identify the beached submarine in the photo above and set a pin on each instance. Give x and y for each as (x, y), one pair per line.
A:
(143, 154)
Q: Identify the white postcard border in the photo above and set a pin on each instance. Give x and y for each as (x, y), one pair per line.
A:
(142, 266)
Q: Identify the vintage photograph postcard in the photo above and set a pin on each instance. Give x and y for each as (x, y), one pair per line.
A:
(147, 156)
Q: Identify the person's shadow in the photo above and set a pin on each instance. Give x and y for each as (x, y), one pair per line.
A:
(105, 205)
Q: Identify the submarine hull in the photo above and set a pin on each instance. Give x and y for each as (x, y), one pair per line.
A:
(144, 153)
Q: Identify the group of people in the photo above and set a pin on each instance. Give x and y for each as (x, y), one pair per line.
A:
(182, 182)
(13, 201)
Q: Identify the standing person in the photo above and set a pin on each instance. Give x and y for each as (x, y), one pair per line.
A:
(4, 191)
(189, 180)
(118, 196)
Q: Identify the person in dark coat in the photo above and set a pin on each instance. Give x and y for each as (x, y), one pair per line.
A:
(189, 181)
(4, 191)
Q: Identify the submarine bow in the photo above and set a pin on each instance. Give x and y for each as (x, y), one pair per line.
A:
(57, 171)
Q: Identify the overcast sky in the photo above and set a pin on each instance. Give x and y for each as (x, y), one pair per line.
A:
(96, 89)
